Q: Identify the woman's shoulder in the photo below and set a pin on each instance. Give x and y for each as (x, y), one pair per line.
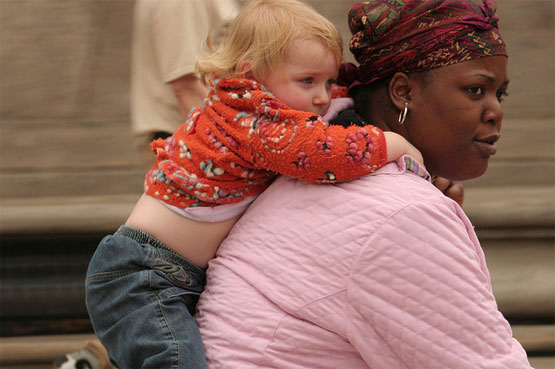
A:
(373, 197)
(398, 182)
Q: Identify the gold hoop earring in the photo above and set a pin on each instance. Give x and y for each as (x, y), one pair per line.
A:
(403, 114)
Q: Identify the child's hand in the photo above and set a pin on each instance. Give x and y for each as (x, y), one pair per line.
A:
(337, 106)
(450, 189)
(398, 146)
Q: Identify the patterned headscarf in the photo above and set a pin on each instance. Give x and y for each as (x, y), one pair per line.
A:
(416, 35)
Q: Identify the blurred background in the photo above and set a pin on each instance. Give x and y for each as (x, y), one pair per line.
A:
(69, 173)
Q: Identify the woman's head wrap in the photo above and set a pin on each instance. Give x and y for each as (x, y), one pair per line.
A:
(416, 35)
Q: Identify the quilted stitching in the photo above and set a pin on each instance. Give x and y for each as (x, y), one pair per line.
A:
(347, 276)
(417, 290)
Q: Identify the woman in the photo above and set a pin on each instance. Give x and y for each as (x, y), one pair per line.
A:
(385, 271)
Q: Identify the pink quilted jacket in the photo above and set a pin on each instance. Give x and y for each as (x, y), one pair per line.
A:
(383, 272)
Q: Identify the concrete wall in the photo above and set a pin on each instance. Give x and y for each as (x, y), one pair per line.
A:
(64, 59)
(69, 59)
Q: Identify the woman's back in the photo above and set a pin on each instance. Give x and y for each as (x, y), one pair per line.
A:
(358, 285)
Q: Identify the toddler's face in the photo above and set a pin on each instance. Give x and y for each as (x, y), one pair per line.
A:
(306, 77)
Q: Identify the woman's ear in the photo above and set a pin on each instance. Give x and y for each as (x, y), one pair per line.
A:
(400, 90)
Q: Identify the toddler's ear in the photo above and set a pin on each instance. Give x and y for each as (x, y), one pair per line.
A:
(245, 69)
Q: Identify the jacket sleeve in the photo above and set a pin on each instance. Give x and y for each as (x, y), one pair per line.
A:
(301, 145)
(421, 289)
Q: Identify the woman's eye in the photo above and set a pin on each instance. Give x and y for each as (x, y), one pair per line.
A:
(476, 90)
(501, 95)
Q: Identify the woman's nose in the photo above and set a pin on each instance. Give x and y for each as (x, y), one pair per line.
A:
(493, 114)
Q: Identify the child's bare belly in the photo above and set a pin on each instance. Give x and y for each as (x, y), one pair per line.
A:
(196, 241)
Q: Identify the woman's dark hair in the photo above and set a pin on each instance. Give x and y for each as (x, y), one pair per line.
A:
(361, 96)
(375, 93)
(378, 94)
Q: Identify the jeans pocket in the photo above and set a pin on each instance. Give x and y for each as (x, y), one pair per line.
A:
(174, 273)
(145, 320)
(104, 276)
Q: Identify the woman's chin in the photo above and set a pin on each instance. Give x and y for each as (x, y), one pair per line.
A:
(463, 173)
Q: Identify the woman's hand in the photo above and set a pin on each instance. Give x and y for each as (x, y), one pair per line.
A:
(450, 189)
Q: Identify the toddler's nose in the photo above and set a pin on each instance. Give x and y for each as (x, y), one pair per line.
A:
(322, 98)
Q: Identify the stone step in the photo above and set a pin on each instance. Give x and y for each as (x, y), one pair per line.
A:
(126, 179)
(85, 182)
(504, 209)
(66, 145)
(521, 260)
(511, 207)
(523, 276)
(46, 143)
(40, 351)
(65, 215)
(48, 158)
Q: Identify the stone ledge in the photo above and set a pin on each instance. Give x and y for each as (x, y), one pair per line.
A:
(511, 207)
(40, 349)
(44, 349)
(523, 276)
(515, 226)
(63, 215)
(505, 209)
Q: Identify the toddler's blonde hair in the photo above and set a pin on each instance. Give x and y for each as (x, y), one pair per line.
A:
(257, 40)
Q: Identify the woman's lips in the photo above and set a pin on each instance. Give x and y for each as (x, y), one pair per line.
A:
(487, 144)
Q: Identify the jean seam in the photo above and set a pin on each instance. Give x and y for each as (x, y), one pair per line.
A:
(176, 345)
(161, 248)
(109, 275)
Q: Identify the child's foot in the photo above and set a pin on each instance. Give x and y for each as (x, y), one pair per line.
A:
(92, 356)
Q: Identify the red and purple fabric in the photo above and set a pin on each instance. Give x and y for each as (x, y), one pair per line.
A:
(418, 35)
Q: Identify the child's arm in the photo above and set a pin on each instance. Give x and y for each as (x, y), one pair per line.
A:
(398, 146)
(268, 135)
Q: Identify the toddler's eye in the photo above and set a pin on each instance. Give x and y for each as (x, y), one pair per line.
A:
(307, 80)
(476, 90)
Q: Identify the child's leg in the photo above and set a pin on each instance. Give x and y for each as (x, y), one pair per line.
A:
(140, 297)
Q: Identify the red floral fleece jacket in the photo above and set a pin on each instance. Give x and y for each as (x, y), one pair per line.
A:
(242, 137)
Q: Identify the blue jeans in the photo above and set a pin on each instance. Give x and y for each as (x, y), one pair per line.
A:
(141, 297)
